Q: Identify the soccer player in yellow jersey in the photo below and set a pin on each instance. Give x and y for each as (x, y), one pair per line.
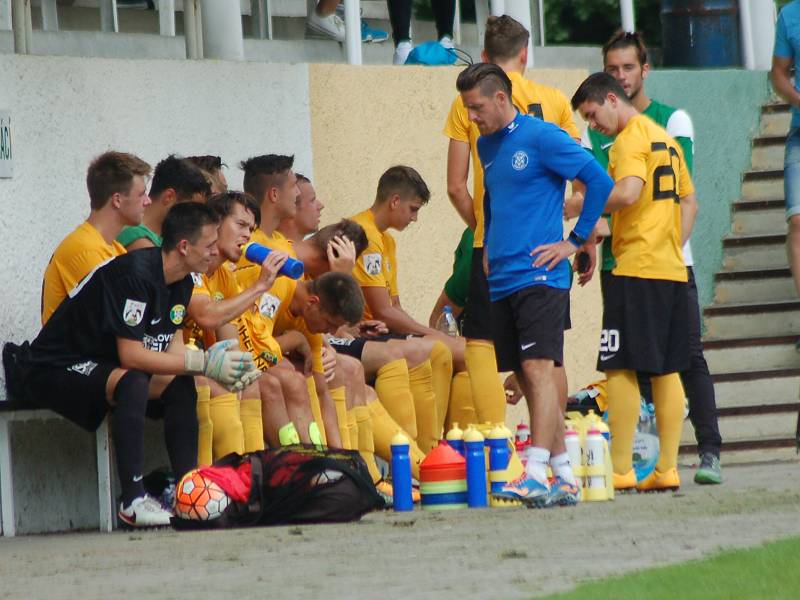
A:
(506, 45)
(118, 197)
(645, 315)
(227, 423)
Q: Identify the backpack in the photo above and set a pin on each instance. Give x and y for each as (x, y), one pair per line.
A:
(434, 54)
(297, 484)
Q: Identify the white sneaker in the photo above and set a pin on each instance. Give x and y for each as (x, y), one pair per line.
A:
(447, 42)
(402, 51)
(144, 512)
(330, 27)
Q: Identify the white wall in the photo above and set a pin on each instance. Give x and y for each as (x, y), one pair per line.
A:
(66, 111)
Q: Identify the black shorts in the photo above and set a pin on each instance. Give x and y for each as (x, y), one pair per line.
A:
(529, 324)
(477, 322)
(76, 392)
(645, 326)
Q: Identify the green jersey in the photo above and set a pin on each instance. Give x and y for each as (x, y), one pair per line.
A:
(130, 234)
(678, 125)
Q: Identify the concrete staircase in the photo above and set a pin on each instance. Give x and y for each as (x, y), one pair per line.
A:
(753, 323)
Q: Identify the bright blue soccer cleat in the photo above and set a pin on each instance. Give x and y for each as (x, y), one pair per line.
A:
(563, 493)
(372, 34)
(526, 489)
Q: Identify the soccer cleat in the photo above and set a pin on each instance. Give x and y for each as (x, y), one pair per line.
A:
(563, 493)
(330, 27)
(709, 470)
(144, 511)
(525, 489)
(626, 482)
(660, 482)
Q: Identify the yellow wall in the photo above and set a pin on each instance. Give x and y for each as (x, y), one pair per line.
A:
(365, 119)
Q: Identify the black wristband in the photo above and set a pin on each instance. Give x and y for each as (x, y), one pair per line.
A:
(576, 240)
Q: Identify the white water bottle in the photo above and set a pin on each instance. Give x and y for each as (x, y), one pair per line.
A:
(447, 322)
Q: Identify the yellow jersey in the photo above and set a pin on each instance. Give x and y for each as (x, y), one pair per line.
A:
(77, 255)
(377, 265)
(218, 286)
(530, 98)
(646, 236)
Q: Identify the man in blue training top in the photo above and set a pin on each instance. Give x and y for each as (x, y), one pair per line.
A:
(527, 163)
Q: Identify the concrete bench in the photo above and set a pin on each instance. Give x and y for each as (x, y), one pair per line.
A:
(8, 521)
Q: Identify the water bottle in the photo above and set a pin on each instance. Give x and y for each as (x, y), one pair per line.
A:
(455, 437)
(401, 474)
(256, 253)
(447, 322)
(596, 450)
(476, 469)
(499, 457)
(646, 446)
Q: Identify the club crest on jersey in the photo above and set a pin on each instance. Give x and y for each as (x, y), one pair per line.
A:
(219, 297)
(519, 161)
(133, 312)
(372, 264)
(268, 305)
(197, 279)
(177, 313)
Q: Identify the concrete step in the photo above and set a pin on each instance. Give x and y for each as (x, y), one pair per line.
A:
(763, 184)
(753, 251)
(754, 285)
(775, 119)
(751, 429)
(769, 390)
(752, 355)
(751, 220)
(752, 319)
(768, 152)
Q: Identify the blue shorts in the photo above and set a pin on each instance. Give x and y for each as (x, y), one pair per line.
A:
(791, 173)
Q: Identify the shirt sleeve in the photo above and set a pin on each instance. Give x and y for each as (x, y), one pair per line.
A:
(457, 125)
(628, 157)
(562, 154)
(680, 127)
(783, 47)
(127, 304)
(369, 269)
(586, 143)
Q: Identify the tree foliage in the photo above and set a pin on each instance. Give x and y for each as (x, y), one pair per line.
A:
(577, 22)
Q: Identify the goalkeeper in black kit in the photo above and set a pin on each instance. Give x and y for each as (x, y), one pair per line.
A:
(111, 347)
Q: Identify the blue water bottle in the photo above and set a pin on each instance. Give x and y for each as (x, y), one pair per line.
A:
(401, 474)
(476, 469)
(499, 456)
(455, 437)
(256, 253)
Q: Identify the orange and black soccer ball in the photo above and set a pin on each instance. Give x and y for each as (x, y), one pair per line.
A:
(199, 499)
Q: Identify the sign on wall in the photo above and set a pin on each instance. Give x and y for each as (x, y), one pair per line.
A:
(6, 162)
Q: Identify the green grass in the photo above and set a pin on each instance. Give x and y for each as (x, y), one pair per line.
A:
(770, 571)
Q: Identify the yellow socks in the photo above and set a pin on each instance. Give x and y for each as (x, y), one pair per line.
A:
(421, 382)
(461, 408)
(250, 411)
(366, 442)
(352, 430)
(316, 410)
(392, 387)
(227, 426)
(668, 397)
(488, 396)
(340, 403)
(384, 428)
(288, 435)
(623, 415)
(205, 429)
(442, 368)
